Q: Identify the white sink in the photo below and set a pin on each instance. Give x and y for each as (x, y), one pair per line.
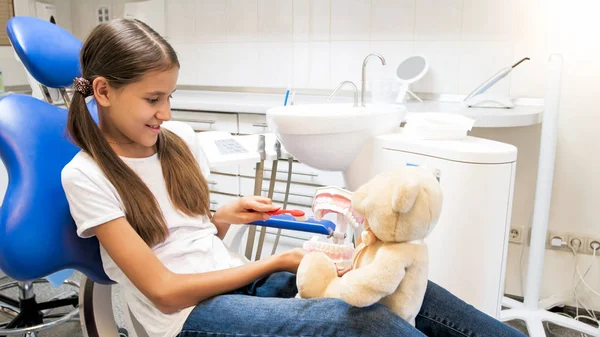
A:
(330, 136)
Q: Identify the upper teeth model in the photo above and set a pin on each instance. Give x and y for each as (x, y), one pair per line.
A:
(333, 199)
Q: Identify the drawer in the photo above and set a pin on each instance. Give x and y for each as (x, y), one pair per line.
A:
(224, 184)
(217, 200)
(300, 195)
(207, 121)
(252, 123)
(301, 173)
(226, 169)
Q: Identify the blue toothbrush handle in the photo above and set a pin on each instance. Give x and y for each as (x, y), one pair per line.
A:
(311, 225)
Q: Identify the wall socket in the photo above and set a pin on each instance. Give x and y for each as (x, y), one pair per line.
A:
(563, 237)
(588, 245)
(516, 235)
(568, 238)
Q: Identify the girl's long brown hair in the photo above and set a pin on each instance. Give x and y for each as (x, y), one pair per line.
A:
(123, 51)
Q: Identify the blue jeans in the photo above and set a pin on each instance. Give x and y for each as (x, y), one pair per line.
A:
(267, 307)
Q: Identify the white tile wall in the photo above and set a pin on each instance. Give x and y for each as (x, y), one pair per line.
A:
(350, 20)
(438, 20)
(319, 43)
(275, 20)
(181, 21)
(320, 20)
(211, 24)
(301, 19)
(487, 20)
(346, 61)
(319, 65)
(242, 20)
(443, 73)
(275, 64)
(481, 60)
(392, 20)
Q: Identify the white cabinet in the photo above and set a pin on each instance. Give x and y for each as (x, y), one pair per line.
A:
(226, 184)
(207, 121)
(250, 124)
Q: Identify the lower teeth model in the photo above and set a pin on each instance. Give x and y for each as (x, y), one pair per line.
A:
(337, 252)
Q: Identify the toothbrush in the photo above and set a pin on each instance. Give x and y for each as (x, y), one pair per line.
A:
(287, 94)
(296, 213)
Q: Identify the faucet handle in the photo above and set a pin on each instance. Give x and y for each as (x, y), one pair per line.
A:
(340, 86)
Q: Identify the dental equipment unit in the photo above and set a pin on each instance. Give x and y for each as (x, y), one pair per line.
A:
(477, 98)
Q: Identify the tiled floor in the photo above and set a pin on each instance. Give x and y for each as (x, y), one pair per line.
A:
(72, 329)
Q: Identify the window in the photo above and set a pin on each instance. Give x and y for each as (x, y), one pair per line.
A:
(7, 11)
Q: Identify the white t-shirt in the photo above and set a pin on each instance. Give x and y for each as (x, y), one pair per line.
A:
(191, 246)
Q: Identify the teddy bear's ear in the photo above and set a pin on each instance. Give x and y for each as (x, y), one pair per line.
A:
(405, 195)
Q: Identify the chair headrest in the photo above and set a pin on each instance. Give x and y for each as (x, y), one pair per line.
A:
(37, 233)
(49, 52)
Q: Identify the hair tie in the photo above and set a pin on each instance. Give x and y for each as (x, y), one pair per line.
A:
(83, 86)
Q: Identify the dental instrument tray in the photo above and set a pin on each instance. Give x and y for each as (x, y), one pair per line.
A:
(311, 225)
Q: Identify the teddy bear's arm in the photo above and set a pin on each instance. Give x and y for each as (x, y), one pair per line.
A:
(369, 284)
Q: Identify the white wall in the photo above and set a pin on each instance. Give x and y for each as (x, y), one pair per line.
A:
(319, 43)
(83, 13)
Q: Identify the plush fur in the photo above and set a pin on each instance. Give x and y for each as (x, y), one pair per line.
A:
(399, 206)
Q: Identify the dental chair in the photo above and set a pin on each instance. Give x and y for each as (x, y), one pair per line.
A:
(37, 233)
(50, 55)
(48, 52)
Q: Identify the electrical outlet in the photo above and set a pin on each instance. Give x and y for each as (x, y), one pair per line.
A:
(103, 14)
(563, 237)
(588, 246)
(573, 239)
(516, 234)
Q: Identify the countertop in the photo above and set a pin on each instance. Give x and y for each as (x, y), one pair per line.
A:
(259, 103)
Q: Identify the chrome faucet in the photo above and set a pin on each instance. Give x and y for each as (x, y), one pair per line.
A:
(364, 76)
(340, 86)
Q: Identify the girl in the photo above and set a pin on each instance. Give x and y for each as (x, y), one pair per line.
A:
(139, 188)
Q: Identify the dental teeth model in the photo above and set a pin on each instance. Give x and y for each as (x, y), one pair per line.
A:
(336, 200)
(338, 253)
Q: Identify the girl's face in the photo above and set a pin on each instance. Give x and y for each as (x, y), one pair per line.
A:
(132, 115)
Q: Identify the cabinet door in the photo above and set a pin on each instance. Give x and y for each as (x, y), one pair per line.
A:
(207, 121)
(227, 184)
(301, 173)
(217, 200)
(250, 124)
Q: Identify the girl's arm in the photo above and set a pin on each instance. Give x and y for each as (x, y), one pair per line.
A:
(169, 291)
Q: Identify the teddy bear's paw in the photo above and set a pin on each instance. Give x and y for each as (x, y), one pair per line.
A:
(315, 272)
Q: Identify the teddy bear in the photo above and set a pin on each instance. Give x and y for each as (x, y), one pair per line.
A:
(390, 266)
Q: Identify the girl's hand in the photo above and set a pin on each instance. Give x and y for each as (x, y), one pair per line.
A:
(290, 260)
(244, 210)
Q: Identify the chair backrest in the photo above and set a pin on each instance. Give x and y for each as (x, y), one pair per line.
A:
(37, 234)
(48, 52)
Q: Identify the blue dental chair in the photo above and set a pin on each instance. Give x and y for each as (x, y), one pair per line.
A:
(37, 234)
(51, 55)
(48, 52)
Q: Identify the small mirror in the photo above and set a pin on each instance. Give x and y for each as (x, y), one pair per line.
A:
(409, 71)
